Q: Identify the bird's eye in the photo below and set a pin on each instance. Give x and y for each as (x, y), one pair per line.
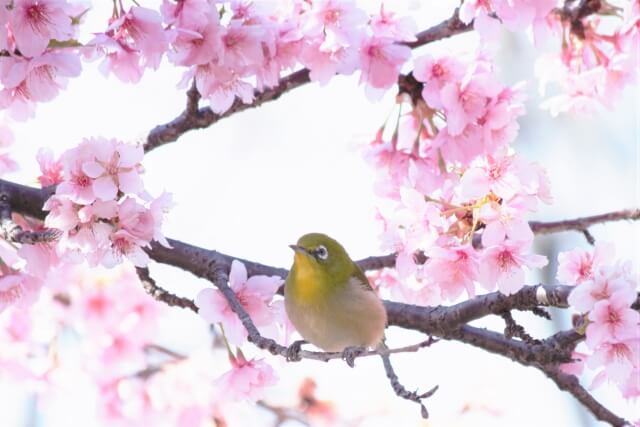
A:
(321, 253)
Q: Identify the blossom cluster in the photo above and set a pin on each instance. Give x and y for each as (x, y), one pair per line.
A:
(100, 203)
(258, 296)
(604, 292)
(598, 58)
(454, 189)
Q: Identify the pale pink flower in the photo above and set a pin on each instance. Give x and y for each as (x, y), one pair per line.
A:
(221, 86)
(579, 265)
(385, 24)
(435, 73)
(466, 101)
(479, 11)
(606, 281)
(323, 64)
(119, 59)
(35, 22)
(505, 220)
(187, 14)
(338, 20)
(136, 219)
(255, 294)
(63, 213)
(50, 168)
(619, 359)
(124, 245)
(380, 61)
(197, 46)
(18, 289)
(77, 186)
(246, 380)
(7, 164)
(453, 269)
(141, 29)
(241, 46)
(115, 166)
(496, 174)
(503, 264)
(612, 320)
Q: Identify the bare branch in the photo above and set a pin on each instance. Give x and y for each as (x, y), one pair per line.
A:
(398, 388)
(160, 294)
(570, 384)
(581, 224)
(12, 232)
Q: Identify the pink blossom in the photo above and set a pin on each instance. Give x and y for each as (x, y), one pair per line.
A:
(479, 11)
(502, 265)
(77, 186)
(35, 22)
(386, 25)
(34, 80)
(187, 14)
(115, 167)
(453, 269)
(381, 60)
(579, 265)
(246, 380)
(323, 64)
(466, 101)
(7, 164)
(255, 294)
(136, 219)
(505, 220)
(124, 245)
(197, 46)
(606, 282)
(221, 86)
(119, 59)
(612, 320)
(619, 359)
(18, 289)
(496, 174)
(50, 169)
(241, 45)
(63, 214)
(339, 20)
(141, 29)
(435, 73)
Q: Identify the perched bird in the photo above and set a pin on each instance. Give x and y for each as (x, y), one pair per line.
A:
(329, 300)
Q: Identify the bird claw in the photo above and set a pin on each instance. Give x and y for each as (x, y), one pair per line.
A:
(349, 354)
(293, 351)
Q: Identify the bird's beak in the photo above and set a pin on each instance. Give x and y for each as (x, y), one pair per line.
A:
(299, 249)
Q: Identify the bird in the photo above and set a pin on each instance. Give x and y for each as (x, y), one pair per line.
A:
(330, 301)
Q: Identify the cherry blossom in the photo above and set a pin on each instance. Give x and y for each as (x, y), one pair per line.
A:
(246, 380)
(502, 265)
(35, 22)
(255, 294)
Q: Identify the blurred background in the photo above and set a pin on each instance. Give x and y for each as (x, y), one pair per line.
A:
(253, 183)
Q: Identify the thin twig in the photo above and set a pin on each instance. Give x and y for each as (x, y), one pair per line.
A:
(397, 387)
(570, 384)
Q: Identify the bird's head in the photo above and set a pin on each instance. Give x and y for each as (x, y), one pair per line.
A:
(319, 255)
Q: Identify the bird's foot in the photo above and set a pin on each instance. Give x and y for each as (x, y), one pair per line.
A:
(293, 351)
(350, 353)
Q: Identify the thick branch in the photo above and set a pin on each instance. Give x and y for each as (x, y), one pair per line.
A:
(194, 118)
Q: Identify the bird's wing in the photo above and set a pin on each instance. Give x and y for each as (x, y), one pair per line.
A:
(362, 278)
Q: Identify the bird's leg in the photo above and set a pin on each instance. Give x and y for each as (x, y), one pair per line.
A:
(350, 353)
(293, 351)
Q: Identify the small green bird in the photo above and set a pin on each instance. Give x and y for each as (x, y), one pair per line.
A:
(329, 300)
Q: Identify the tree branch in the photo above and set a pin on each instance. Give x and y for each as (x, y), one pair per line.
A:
(570, 384)
(193, 118)
(582, 224)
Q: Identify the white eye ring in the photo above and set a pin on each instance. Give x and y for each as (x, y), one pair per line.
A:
(322, 253)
